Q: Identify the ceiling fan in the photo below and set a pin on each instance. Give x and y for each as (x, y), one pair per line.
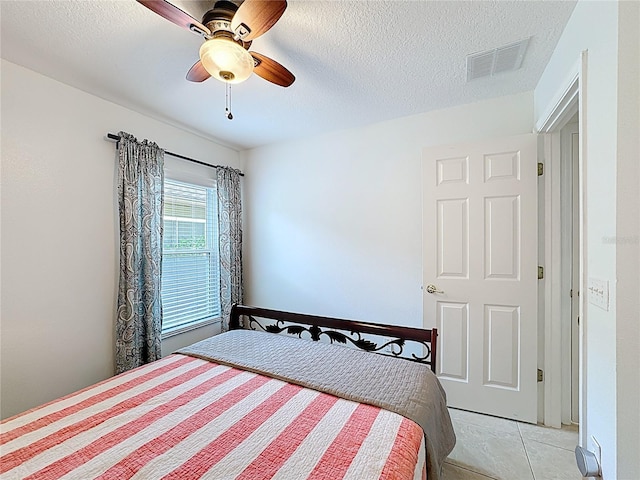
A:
(228, 30)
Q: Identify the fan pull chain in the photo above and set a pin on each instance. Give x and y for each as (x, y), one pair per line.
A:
(227, 108)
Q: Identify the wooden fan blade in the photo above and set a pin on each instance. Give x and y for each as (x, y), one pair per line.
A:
(254, 17)
(197, 73)
(272, 71)
(175, 15)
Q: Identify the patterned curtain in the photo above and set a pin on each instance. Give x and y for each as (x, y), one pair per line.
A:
(230, 238)
(139, 320)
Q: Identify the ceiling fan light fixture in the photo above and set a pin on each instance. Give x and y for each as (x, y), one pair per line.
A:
(226, 60)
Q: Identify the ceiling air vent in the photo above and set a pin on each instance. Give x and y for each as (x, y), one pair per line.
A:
(503, 59)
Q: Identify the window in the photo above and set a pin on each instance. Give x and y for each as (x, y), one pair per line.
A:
(190, 264)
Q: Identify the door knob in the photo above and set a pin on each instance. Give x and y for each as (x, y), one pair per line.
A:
(431, 288)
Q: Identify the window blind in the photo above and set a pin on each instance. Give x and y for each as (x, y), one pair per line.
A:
(190, 265)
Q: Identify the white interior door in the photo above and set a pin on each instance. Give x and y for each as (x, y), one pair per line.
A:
(480, 232)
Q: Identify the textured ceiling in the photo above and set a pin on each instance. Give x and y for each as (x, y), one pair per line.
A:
(356, 62)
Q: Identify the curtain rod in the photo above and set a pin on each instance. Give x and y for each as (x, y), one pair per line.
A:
(116, 138)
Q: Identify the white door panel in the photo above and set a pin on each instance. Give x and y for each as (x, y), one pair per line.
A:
(480, 251)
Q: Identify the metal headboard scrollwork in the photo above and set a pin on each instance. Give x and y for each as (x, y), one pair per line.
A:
(315, 327)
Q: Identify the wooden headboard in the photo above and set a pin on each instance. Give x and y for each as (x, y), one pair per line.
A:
(341, 331)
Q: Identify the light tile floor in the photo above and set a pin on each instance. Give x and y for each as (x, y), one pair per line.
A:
(494, 448)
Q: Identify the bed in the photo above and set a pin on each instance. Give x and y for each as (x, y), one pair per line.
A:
(248, 404)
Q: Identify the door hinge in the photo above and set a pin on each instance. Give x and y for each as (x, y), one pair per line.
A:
(540, 375)
(540, 272)
(540, 169)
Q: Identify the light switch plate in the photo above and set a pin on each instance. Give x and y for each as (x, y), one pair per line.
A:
(599, 293)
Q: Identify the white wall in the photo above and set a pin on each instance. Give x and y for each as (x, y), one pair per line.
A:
(628, 245)
(59, 233)
(609, 32)
(333, 224)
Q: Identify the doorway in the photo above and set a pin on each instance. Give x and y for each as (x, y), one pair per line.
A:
(564, 254)
(570, 268)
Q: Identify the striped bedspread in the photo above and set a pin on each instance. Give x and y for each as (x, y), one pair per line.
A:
(186, 418)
